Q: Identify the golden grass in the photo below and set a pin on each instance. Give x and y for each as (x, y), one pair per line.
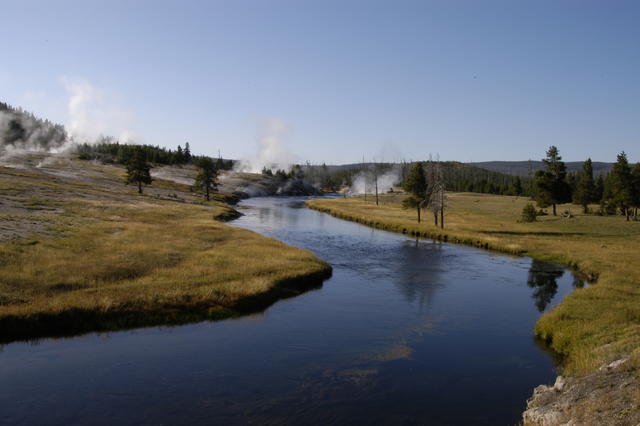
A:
(106, 258)
(591, 326)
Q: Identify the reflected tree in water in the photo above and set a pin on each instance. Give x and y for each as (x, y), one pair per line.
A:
(420, 264)
(543, 279)
(577, 282)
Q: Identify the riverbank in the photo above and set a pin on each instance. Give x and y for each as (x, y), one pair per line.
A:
(593, 326)
(80, 251)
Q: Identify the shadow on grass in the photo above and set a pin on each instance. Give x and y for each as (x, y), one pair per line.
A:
(74, 322)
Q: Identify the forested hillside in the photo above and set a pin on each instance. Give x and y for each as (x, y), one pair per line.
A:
(529, 168)
(22, 129)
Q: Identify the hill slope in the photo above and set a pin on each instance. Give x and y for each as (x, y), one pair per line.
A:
(80, 251)
(522, 168)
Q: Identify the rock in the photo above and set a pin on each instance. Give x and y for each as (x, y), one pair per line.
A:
(559, 384)
(541, 416)
(607, 396)
(615, 364)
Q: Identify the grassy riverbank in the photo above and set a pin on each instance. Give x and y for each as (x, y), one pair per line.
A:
(80, 251)
(592, 326)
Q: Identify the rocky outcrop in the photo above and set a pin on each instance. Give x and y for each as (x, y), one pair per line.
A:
(609, 396)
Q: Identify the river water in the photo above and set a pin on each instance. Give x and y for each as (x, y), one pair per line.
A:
(405, 332)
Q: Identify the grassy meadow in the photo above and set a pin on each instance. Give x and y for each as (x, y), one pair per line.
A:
(592, 326)
(80, 251)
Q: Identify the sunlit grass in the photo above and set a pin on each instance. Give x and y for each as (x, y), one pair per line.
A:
(592, 325)
(108, 258)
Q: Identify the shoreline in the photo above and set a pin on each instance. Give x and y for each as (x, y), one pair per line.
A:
(82, 252)
(76, 322)
(548, 404)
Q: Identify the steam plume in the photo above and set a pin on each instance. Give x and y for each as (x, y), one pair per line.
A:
(365, 181)
(272, 151)
(95, 113)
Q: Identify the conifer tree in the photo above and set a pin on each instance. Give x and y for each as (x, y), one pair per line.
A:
(599, 190)
(517, 186)
(416, 185)
(635, 175)
(187, 153)
(138, 170)
(622, 184)
(179, 158)
(585, 192)
(551, 184)
(207, 177)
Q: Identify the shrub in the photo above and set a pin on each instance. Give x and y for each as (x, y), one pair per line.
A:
(529, 213)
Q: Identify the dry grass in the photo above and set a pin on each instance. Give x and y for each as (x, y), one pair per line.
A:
(590, 327)
(95, 256)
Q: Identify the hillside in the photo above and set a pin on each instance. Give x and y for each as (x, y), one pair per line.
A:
(458, 176)
(522, 168)
(81, 251)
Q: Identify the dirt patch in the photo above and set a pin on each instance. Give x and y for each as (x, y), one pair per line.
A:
(609, 396)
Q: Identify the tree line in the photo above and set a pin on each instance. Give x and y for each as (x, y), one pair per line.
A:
(22, 129)
(616, 192)
(139, 171)
(109, 151)
(426, 187)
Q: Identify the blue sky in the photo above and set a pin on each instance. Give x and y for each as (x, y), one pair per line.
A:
(468, 80)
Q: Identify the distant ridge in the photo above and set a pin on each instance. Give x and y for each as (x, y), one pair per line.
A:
(521, 168)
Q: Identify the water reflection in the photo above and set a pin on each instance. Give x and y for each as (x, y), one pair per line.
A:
(543, 279)
(405, 332)
(418, 283)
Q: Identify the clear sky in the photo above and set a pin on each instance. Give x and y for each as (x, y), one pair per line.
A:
(470, 80)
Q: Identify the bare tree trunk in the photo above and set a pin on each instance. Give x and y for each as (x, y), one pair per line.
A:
(139, 187)
(418, 214)
(554, 210)
(585, 208)
(435, 218)
(207, 192)
(376, 178)
(442, 207)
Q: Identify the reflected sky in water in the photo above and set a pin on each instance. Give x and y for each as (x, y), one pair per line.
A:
(406, 331)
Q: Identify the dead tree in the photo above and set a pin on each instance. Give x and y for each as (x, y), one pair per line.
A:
(436, 196)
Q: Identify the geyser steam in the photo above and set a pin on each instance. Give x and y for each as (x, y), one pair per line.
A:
(272, 151)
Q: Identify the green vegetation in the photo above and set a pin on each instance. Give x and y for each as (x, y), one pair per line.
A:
(529, 213)
(551, 184)
(108, 150)
(94, 256)
(22, 128)
(416, 185)
(207, 177)
(590, 327)
(585, 192)
(138, 170)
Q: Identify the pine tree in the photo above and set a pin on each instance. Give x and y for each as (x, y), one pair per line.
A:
(416, 185)
(517, 186)
(551, 184)
(599, 190)
(207, 177)
(585, 192)
(187, 153)
(179, 156)
(635, 175)
(622, 184)
(138, 170)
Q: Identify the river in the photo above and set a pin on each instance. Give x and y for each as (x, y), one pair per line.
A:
(405, 331)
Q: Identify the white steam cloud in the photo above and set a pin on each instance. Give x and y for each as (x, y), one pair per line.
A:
(272, 151)
(365, 181)
(95, 113)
